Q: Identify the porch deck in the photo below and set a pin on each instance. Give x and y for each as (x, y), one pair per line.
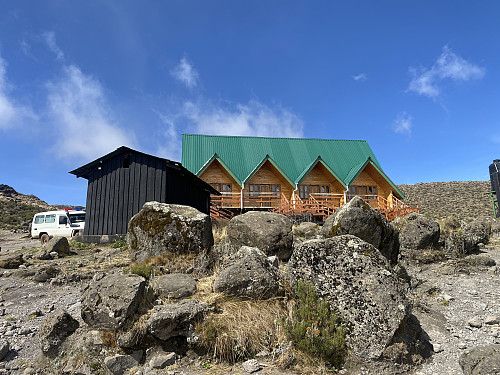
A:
(320, 205)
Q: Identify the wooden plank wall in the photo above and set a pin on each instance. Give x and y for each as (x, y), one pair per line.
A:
(115, 193)
(215, 173)
(366, 179)
(319, 175)
(267, 174)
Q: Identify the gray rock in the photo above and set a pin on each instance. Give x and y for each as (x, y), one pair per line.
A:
(4, 348)
(359, 284)
(251, 366)
(175, 319)
(131, 338)
(495, 229)
(109, 301)
(161, 360)
(417, 231)
(248, 274)
(54, 331)
(161, 227)
(481, 361)
(476, 232)
(42, 255)
(269, 232)
(454, 245)
(492, 319)
(306, 231)
(57, 244)
(11, 261)
(475, 322)
(359, 219)
(174, 285)
(118, 363)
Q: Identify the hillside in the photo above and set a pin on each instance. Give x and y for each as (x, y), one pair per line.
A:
(465, 199)
(18, 209)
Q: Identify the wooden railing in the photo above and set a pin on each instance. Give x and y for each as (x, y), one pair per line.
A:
(261, 200)
(317, 204)
(307, 207)
(227, 200)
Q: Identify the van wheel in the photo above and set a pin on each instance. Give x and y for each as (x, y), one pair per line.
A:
(44, 238)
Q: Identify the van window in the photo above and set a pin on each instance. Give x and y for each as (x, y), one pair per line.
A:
(63, 220)
(50, 218)
(39, 219)
(77, 218)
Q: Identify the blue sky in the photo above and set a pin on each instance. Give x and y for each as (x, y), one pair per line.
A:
(419, 80)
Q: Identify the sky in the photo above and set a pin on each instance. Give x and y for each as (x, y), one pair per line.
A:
(419, 80)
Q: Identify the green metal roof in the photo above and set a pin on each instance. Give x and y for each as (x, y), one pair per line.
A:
(241, 155)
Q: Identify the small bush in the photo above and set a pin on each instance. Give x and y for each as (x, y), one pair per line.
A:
(142, 269)
(81, 245)
(120, 243)
(314, 328)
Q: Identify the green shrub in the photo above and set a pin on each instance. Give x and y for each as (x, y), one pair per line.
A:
(142, 269)
(314, 328)
(81, 245)
(120, 243)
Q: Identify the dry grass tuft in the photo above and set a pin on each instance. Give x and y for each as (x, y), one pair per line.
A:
(174, 262)
(219, 229)
(242, 329)
(108, 338)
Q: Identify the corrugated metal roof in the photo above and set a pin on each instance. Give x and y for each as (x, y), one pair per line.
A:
(292, 155)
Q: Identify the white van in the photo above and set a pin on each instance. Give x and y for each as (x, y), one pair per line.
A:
(67, 223)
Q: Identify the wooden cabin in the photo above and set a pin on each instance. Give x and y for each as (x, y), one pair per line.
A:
(269, 173)
(120, 182)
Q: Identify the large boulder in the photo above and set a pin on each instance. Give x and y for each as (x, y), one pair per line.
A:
(267, 231)
(495, 229)
(57, 244)
(118, 364)
(109, 301)
(417, 231)
(161, 227)
(305, 231)
(476, 232)
(248, 274)
(176, 319)
(360, 284)
(54, 331)
(174, 285)
(481, 361)
(11, 261)
(360, 220)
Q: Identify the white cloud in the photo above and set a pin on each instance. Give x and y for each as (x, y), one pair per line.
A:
(85, 128)
(171, 146)
(360, 77)
(11, 113)
(448, 66)
(403, 124)
(252, 119)
(50, 39)
(185, 73)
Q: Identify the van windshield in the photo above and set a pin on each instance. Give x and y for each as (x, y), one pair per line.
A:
(77, 218)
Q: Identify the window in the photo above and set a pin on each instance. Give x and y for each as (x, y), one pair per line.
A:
(325, 189)
(365, 192)
(226, 189)
(77, 218)
(39, 219)
(63, 220)
(267, 190)
(50, 218)
(304, 191)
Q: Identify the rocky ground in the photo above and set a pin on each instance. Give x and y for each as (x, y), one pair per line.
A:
(456, 302)
(458, 305)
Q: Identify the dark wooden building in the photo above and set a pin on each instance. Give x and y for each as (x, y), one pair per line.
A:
(120, 182)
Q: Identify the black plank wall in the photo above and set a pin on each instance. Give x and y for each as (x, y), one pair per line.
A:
(116, 192)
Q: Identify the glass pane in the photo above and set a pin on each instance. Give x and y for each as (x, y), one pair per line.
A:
(39, 219)
(50, 218)
(63, 220)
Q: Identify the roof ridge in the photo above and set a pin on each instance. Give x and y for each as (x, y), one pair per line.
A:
(289, 138)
